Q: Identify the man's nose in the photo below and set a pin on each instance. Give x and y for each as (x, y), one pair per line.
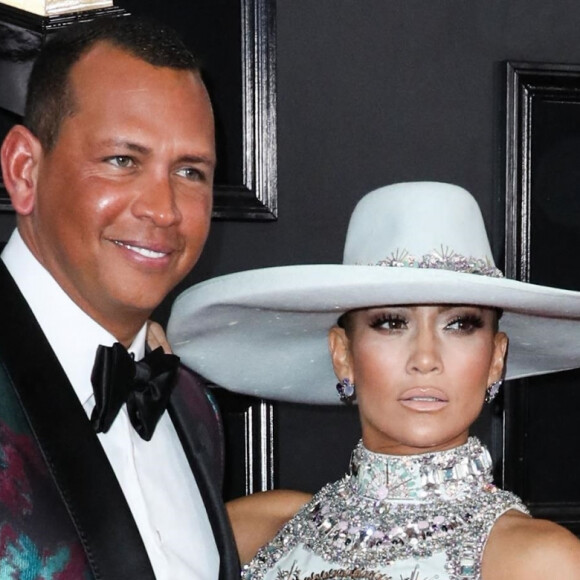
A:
(156, 201)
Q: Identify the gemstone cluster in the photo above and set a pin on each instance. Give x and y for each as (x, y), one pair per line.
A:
(443, 259)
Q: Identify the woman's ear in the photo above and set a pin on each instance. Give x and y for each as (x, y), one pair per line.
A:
(498, 361)
(339, 347)
(20, 156)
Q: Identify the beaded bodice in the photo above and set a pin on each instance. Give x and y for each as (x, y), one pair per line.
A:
(431, 513)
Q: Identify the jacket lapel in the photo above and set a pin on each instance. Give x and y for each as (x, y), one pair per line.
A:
(73, 454)
(200, 434)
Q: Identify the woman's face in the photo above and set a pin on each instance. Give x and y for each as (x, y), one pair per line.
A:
(420, 372)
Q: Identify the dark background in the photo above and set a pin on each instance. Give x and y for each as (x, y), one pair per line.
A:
(373, 92)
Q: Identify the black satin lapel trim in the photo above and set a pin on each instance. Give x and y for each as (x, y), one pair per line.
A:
(209, 489)
(70, 447)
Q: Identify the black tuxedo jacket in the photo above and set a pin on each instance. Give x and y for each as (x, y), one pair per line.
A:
(62, 511)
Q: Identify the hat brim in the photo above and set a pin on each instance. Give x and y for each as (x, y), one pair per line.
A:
(264, 332)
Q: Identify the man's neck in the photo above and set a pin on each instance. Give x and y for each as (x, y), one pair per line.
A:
(123, 324)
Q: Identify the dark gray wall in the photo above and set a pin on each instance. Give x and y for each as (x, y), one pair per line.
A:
(372, 92)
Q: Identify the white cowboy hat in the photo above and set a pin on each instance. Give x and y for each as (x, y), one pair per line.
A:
(264, 332)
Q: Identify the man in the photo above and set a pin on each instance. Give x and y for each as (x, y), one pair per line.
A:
(111, 179)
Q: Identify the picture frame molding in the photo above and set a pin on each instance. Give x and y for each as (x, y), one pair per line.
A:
(526, 83)
(256, 198)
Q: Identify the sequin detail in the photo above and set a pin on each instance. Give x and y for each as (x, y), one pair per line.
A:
(351, 574)
(443, 259)
(392, 508)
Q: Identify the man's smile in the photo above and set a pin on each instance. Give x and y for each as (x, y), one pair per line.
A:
(143, 251)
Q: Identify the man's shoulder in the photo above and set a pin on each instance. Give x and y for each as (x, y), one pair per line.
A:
(13, 301)
(20, 332)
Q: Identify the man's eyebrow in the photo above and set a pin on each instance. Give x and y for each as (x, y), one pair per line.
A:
(205, 159)
(129, 145)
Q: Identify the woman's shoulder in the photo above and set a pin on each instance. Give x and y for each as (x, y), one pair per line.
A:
(521, 547)
(279, 504)
(258, 517)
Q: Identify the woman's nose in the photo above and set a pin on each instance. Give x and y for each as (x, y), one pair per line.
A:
(425, 355)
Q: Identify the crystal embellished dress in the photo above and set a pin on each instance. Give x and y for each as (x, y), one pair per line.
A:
(418, 517)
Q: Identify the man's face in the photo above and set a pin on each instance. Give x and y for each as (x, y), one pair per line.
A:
(123, 201)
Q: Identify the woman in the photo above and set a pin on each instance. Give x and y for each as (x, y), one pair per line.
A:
(412, 321)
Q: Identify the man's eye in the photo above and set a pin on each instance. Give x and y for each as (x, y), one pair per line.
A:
(121, 161)
(191, 173)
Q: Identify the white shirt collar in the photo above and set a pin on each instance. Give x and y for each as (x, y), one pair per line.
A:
(73, 335)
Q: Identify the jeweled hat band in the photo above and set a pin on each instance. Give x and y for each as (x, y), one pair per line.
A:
(444, 259)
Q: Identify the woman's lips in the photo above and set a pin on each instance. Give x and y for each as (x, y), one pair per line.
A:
(424, 399)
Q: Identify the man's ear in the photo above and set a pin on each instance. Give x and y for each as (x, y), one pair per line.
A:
(20, 155)
(338, 345)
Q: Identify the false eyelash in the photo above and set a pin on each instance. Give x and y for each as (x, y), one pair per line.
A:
(384, 318)
(470, 319)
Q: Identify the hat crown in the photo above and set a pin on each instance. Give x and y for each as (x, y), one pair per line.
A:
(419, 224)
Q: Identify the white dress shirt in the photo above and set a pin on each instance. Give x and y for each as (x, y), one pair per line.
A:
(154, 475)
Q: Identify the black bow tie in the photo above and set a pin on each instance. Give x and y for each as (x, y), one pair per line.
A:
(145, 386)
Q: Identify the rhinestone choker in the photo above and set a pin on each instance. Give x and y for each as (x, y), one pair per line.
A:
(442, 474)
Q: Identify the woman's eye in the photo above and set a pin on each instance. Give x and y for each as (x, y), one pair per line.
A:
(467, 323)
(390, 322)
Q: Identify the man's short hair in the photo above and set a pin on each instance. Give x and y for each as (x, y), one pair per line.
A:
(50, 97)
